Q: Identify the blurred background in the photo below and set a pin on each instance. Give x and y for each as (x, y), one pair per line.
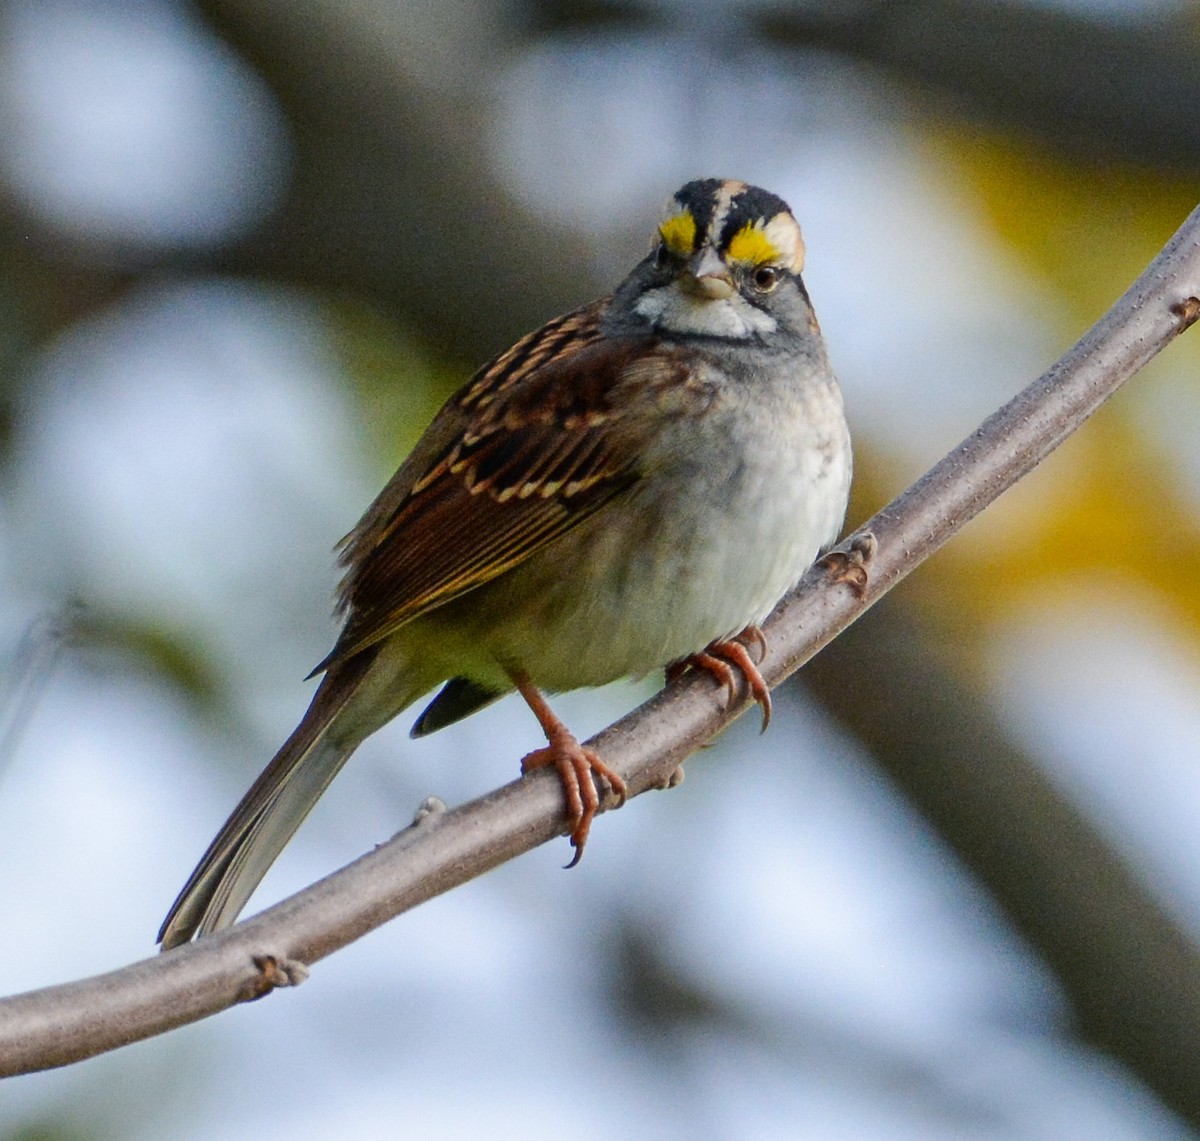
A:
(246, 249)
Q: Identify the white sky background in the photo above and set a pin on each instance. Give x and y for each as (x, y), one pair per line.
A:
(198, 447)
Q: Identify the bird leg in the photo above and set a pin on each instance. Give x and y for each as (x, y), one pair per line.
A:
(720, 658)
(575, 764)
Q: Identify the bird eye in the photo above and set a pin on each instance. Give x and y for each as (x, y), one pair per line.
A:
(662, 256)
(766, 277)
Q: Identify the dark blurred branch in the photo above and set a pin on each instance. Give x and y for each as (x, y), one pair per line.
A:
(395, 194)
(1088, 86)
(1091, 86)
(66, 1023)
(1131, 974)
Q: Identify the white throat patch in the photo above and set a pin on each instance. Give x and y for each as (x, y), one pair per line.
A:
(671, 309)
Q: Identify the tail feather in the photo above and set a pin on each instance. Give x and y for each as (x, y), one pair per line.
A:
(459, 698)
(269, 814)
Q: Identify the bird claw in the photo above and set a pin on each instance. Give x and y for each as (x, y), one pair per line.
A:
(850, 566)
(576, 766)
(722, 658)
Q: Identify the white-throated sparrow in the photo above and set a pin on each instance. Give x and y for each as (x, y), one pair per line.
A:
(631, 486)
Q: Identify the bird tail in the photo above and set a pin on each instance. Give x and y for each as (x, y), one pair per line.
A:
(269, 814)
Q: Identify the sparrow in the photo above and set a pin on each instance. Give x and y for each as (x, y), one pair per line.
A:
(634, 485)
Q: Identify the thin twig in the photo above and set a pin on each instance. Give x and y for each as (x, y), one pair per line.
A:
(29, 673)
(62, 1024)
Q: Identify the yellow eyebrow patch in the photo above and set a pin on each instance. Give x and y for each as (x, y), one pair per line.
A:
(679, 233)
(751, 245)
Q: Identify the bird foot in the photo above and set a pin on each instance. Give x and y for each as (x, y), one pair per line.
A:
(850, 566)
(722, 658)
(577, 767)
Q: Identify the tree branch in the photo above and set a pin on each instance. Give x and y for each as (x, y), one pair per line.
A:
(63, 1024)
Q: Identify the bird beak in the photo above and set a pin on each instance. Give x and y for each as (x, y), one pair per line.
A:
(707, 278)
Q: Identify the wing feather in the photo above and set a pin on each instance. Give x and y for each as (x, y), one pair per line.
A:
(535, 443)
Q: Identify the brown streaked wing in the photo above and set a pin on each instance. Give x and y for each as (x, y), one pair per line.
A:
(498, 375)
(547, 448)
